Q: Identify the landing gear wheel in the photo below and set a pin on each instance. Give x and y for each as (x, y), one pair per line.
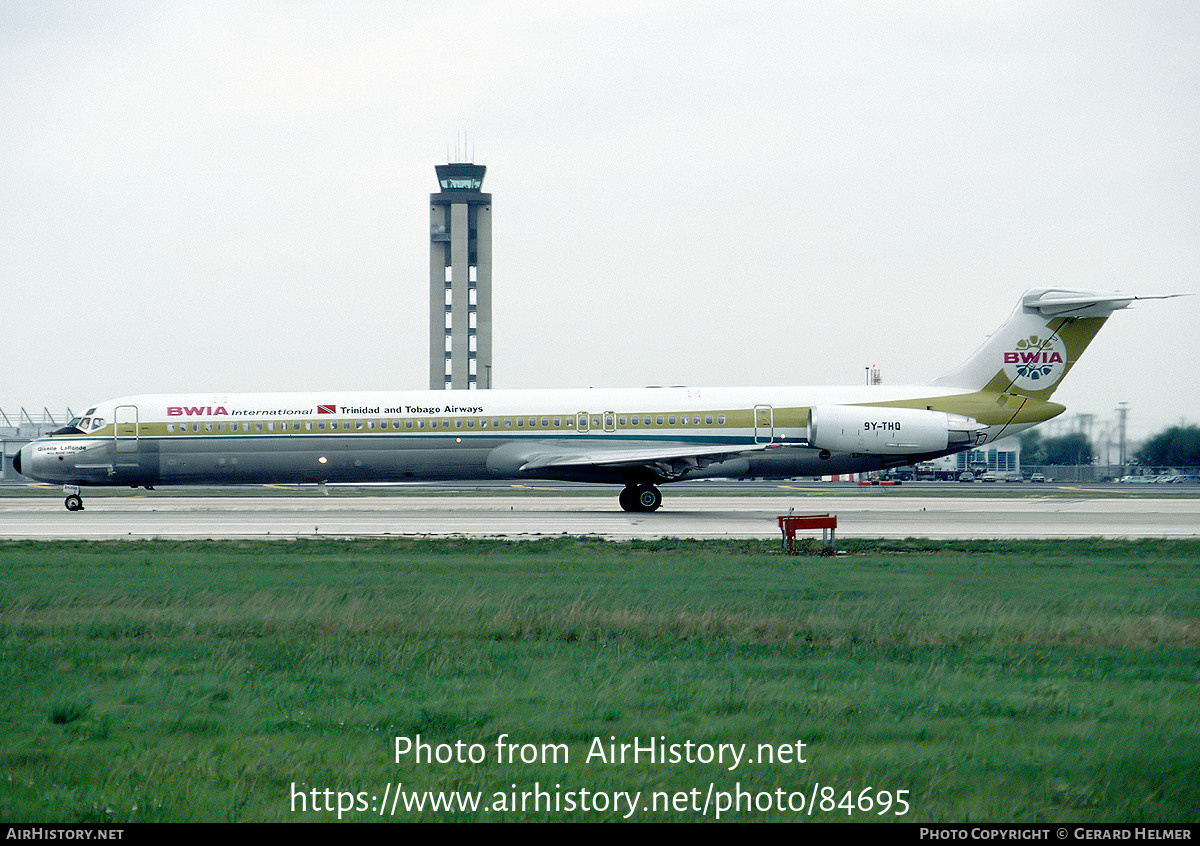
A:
(640, 498)
(74, 502)
(649, 498)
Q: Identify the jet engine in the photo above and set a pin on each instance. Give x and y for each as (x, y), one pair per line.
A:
(879, 430)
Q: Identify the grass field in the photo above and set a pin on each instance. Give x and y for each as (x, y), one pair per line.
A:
(231, 681)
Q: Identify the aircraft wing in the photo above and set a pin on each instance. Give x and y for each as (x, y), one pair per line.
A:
(667, 461)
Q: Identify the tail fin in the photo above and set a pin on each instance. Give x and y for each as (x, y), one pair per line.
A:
(1039, 344)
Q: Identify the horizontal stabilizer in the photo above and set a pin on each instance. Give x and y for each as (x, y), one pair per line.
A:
(1053, 302)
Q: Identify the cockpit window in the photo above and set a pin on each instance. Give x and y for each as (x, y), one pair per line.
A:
(81, 425)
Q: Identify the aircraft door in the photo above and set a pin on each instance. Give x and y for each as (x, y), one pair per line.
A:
(125, 428)
(764, 424)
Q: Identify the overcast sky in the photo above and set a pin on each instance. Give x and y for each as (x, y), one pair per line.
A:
(233, 195)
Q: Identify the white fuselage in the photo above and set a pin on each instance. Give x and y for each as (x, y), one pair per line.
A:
(647, 435)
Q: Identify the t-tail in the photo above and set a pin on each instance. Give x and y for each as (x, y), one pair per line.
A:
(1039, 344)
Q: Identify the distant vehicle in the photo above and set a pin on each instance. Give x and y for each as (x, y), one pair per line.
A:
(967, 476)
(1137, 480)
(990, 477)
(1037, 477)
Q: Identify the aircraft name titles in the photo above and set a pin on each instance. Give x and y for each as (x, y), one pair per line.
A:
(222, 411)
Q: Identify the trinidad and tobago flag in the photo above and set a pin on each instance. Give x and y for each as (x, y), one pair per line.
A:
(326, 409)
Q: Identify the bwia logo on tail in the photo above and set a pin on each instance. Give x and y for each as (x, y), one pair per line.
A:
(1036, 362)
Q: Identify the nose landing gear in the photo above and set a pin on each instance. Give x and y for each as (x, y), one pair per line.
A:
(640, 498)
(73, 502)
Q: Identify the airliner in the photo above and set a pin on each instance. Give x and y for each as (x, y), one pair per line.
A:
(639, 438)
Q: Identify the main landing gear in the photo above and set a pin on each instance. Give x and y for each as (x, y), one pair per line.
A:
(640, 498)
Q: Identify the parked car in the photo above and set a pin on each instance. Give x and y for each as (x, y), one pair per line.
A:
(1037, 477)
(966, 476)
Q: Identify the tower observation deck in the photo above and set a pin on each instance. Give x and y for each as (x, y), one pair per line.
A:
(460, 279)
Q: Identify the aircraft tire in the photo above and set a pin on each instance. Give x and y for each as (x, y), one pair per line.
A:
(74, 503)
(627, 499)
(649, 498)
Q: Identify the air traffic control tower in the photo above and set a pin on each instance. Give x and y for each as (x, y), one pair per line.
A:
(460, 279)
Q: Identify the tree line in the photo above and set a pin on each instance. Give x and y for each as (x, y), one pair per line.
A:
(1176, 446)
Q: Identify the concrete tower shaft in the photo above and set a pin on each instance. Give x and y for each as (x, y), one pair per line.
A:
(460, 279)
